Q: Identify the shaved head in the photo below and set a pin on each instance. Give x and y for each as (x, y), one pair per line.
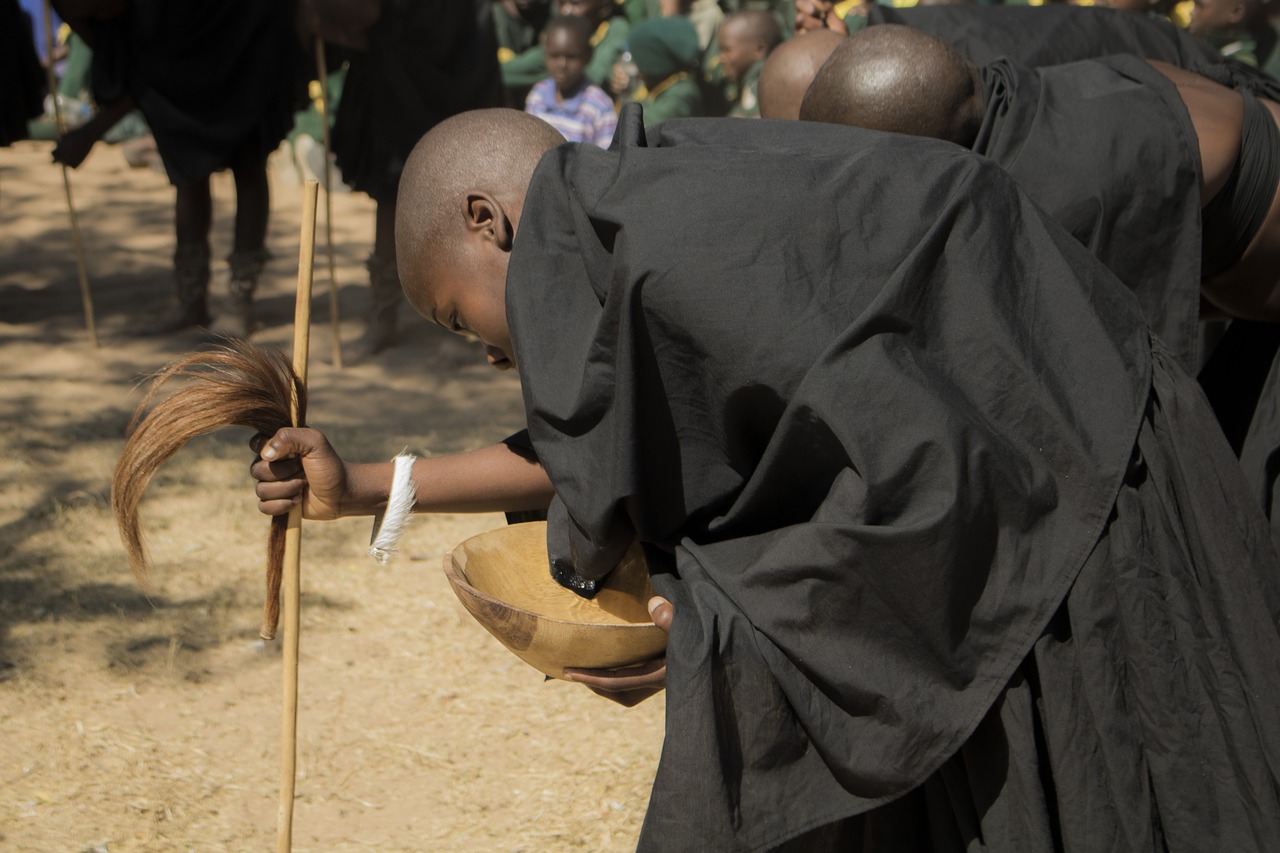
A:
(754, 24)
(901, 80)
(790, 69)
(461, 196)
(491, 151)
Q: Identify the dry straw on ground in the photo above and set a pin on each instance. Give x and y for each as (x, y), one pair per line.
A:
(136, 723)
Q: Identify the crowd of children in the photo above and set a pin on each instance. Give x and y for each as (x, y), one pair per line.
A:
(676, 58)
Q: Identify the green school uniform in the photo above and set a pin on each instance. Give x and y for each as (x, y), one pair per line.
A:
(676, 97)
(514, 34)
(309, 122)
(639, 11)
(748, 103)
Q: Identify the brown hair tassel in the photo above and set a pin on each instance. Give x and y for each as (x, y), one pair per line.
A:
(237, 384)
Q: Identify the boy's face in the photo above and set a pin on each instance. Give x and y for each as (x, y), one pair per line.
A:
(567, 59)
(1207, 15)
(467, 297)
(737, 51)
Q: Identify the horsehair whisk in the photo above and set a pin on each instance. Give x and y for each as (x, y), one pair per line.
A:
(235, 384)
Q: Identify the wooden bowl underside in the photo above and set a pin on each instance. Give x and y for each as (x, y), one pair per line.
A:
(503, 580)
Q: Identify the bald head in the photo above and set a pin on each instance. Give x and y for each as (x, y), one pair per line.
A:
(483, 151)
(901, 80)
(790, 69)
(754, 24)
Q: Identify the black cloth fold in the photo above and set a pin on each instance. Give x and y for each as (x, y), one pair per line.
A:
(427, 60)
(22, 79)
(215, 81)
(1050, 35)
(872, 448)
(1107, 148)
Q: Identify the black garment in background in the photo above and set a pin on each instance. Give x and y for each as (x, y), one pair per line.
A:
(1050, 35)
(22, 78)
(892, 465)
(214, 80)
(427, 60)
(1234, 378)
(1107, 148)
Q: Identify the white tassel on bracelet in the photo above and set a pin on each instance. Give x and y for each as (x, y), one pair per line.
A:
(389, 524)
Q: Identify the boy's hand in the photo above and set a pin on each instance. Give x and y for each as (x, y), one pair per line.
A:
(632, 685)
(817, 15)
(74, 147)
(298, 465)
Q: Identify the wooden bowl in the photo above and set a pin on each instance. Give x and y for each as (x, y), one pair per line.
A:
(503, 579)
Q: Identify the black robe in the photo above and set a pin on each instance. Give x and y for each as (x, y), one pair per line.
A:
(427, 60)
(22, 79)
(1050, 35)
(951, 543)
(215, 81)
(1107, 149)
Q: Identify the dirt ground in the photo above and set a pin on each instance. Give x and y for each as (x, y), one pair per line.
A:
(133, 722)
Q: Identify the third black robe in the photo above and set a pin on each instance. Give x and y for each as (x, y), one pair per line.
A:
(1107, 148)
(1050, 35)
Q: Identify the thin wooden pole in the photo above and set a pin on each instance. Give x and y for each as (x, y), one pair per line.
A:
(322, 71)
(86, 299)
(292, 585)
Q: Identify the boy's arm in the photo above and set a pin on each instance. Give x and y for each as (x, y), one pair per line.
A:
(75, 144)
(300, 464)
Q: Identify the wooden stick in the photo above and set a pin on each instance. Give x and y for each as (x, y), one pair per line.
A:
(323, 72)
(86, 299)
(293, 539)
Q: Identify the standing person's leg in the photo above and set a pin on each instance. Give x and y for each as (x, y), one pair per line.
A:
(381, 327)
(193, 217)
(249, 254)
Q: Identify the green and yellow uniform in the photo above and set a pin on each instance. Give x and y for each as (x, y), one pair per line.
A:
(747, 104)
(678, 96)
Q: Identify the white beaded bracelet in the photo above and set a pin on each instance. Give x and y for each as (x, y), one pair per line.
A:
(389, 524)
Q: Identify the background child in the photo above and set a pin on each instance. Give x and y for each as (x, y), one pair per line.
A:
(566, 100)
(1240, 29)
(746, 39)
(665, 52)
(609, 31)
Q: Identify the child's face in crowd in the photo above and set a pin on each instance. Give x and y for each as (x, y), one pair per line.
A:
(737, 52)
(1209, 15)
(567, 58)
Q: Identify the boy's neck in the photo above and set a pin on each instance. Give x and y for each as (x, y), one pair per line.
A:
(572, 92)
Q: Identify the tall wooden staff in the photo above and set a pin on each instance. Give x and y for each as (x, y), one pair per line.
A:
(86, 300)
(293, 539)
(323, 72)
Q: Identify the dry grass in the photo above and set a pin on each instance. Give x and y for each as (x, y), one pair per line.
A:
(136, 723)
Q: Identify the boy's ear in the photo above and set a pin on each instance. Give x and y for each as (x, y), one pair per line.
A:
(486, 217)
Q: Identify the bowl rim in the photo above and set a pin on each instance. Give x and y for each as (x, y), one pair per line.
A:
(457, 576)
